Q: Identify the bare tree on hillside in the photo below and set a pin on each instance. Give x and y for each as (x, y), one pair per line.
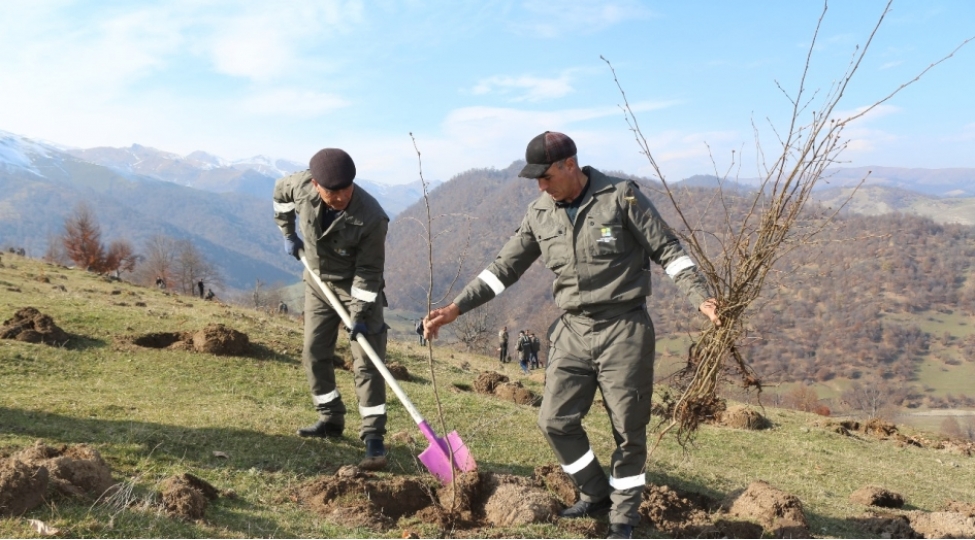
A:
(190, 266)
(159, 259)
(478, 328)
(873, 398)
(739, 257)
(56, 252)
(120, 257)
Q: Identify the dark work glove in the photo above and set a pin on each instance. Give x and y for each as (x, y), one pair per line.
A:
(293, 246)
(358, 327)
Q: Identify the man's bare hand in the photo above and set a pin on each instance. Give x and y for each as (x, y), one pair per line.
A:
(710, 309)
(437, 318)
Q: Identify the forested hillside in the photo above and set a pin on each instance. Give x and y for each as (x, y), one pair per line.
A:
(832, 310)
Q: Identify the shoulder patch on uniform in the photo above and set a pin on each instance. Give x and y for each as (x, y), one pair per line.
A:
(630, 196)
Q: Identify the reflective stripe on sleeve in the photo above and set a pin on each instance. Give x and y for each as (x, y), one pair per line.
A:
(364, 295)
(580, 463)
(629, 482)
(326, 398)
(492, 281)
(372, 411)
(680, 263)
(282, 208)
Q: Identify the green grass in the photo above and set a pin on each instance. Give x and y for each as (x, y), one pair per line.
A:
(155, 413)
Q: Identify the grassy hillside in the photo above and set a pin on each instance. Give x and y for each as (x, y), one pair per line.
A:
(153, 413)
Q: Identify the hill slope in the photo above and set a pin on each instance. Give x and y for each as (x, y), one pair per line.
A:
(229, 420)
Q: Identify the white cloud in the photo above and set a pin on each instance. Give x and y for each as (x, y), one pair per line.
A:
(525, 87)
(889, 65)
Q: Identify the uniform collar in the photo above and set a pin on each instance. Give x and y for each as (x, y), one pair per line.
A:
(598, 183)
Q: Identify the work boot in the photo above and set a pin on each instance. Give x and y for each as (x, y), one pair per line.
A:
(620, 530)
(375, 455)
(322, 429)
(586, 509)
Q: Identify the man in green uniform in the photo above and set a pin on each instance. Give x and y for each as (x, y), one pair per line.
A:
(346, 231)
(597, 234)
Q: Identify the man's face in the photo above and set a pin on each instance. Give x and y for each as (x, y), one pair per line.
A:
(560, 182)
(337, 199)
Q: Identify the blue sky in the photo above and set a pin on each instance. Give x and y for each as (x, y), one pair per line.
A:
(475, 81)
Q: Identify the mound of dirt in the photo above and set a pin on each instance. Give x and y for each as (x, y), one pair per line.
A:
(877, 496)
(32, 326)
(740, 417)
(679, 515)
(221, 340)
(76, 471)
(187, 496)
(514, 391)
(778, 512)
(512, 501)
(399, 371)
(942, 524)
(887, 526)
(487, 381)
(352, 493)
(22, 486)
(553, 478)
(215, 339)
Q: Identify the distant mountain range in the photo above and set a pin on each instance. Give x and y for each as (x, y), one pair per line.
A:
(224, 206)
(137, 192)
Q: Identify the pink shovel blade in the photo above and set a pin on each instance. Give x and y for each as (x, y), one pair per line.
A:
(436, 458)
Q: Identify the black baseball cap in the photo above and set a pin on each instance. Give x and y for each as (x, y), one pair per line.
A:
(544, 150)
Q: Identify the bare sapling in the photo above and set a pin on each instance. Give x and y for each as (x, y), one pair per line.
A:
(738, 257)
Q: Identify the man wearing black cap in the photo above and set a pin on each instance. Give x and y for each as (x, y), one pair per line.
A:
(346, 228)
(597, 234)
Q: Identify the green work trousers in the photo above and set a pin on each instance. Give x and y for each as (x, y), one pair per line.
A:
(616, 356)
(322, 325)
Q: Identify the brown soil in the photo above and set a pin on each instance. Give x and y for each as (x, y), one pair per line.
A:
(778, 512)
(887, 526)
(399, 371)
(214, 339)
(967, 509)
(487, 381)
(942, 524)
(22, 486)
(511, 501)
(351, 492)
(32, 326)
(740, 417)
(492, 383)
(514, 391)
(877, 496)
(77, 471)
(187, 496)
(553, 478)
(677, 514)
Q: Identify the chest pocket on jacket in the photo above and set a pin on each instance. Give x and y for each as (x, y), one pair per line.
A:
(607, 235)
(344, 242)
(554, 244)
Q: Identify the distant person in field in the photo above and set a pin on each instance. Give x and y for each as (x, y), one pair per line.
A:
(346, 233)
(209, 295)
(282, 308)
(536, 345)
(597, 233)
(503, 345)
(524, 348)
(199, 285)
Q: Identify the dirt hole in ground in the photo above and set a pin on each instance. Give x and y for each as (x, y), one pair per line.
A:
(41, 472)
(30, 325)
(215, 339)
(877, 496)
(778, 512)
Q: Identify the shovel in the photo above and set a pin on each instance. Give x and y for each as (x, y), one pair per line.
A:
(437, 457)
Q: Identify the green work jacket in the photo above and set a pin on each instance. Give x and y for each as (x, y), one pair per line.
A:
(600, 261)
(351, 252)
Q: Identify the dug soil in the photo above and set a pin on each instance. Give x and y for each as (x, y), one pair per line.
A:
(214, 339)
(32, 326)
(492, 383)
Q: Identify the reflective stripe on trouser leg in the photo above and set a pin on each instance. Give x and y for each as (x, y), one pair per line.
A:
(321, 332)
(570, 385)
(625, 358)
(370, 387)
